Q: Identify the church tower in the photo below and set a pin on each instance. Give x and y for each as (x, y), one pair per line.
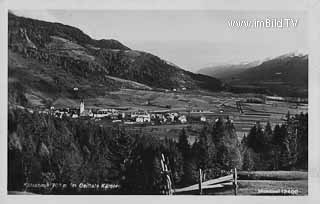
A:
(81, 107)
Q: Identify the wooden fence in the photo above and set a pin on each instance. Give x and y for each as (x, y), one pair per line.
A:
(221, 182)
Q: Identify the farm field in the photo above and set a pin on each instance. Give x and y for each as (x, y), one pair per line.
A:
(171, 131)
(214, 105)
(136, 99)
(222, 104)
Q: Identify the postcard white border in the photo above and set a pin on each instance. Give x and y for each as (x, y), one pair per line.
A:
(313, 8)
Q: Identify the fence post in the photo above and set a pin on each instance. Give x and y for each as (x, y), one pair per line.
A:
(235, 181)
(200, 182)
(166, 176)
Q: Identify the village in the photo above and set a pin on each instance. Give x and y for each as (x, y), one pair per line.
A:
(127, 116)
(243, 113)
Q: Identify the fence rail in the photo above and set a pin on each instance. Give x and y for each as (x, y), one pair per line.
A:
(229, 180)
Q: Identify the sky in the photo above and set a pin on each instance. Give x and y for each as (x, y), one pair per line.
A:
(191, 39)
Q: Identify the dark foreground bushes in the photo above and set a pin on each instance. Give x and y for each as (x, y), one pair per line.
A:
(43, 149)
(283, 148)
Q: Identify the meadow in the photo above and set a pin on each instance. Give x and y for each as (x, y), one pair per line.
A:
(268, 183)
(220, 104)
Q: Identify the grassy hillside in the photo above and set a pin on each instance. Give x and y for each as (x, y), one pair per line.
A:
(47, 60)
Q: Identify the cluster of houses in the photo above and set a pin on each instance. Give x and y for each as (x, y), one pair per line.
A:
(129, 117)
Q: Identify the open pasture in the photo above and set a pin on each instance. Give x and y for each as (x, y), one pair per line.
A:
(213, 105)
(268, 183)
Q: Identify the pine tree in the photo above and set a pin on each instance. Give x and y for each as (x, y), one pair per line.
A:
(292, 140)
(227, 145)
(183, 144)
(203, 154)
(277, 135)
(302, 137)
(184, 148)
(248, 163)
(268, 134)
(190, 175)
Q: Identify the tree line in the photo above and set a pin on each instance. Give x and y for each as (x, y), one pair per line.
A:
(285, 147)
(45, 149)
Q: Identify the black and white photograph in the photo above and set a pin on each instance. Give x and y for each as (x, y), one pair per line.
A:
(157, 102)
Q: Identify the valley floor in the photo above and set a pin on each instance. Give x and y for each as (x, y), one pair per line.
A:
(209, 104)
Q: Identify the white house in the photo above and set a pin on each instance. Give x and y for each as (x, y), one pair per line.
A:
(141, 116)
(74, 115)
(103, 113)
(182, 119)
(203, 119)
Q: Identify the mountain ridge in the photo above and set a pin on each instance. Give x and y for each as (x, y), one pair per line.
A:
(61, 57)
(224, 70)
(285, 75)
